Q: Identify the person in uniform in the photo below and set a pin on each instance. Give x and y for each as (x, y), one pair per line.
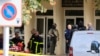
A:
(54, 36)
(35, 44)
(68, 36)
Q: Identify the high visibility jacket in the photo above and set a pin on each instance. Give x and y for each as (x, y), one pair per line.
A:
(35, 45)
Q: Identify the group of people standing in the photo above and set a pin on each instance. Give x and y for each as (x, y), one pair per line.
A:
(35, 44)
(54, 34)
(70, 29)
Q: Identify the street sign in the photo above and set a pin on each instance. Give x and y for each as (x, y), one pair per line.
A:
(10, 13)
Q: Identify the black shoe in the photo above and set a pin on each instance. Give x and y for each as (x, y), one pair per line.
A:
(54, 54)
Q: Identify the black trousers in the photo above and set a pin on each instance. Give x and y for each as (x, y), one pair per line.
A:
(52, 45)
(67, 47)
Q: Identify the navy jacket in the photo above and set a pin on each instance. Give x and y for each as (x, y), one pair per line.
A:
(68, 34)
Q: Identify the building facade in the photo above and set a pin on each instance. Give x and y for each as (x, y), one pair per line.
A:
(64, 12)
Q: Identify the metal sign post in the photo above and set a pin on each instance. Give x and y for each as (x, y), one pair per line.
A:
(10, 15)
(6, 41)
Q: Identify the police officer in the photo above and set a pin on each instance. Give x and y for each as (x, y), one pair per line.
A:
(68, 36)
(81, 26)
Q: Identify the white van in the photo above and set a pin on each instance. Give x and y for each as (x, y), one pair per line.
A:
(85, 43)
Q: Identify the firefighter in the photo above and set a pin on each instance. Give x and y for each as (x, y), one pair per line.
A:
(17, 43)
(35, 44)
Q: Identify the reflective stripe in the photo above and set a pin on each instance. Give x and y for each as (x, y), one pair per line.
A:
(30, 44)
(37, 43)
(40, 42)
(39, 53)
(36, 46)
(40, 50)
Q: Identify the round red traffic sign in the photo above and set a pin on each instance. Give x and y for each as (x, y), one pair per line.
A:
(9, 11)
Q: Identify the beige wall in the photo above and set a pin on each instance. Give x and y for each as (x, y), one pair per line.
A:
(47, 5)
(89, 12)
(1, 30)
(28, 29)
(59, 20)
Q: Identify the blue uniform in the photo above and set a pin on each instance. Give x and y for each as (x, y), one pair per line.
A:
(68, 36)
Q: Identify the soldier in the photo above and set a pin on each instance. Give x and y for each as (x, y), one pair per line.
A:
(54, 36)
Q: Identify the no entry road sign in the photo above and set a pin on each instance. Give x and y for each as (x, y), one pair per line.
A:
(10, 13)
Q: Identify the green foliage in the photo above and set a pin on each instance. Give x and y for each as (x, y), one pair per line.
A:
(31, 6)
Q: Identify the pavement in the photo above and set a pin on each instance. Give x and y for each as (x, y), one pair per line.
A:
(55, 55)
(39, 55)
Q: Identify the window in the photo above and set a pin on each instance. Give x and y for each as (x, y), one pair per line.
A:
(47, 13)
(97, 24)
(72, 3)
(74, 13)
(97, 13)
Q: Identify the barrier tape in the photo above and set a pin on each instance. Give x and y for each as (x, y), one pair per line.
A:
(19, 53)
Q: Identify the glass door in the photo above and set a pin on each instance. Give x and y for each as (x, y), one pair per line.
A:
(43, 26)
(97, 24)
(70, 20)
(74, 20)
(78, 20)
